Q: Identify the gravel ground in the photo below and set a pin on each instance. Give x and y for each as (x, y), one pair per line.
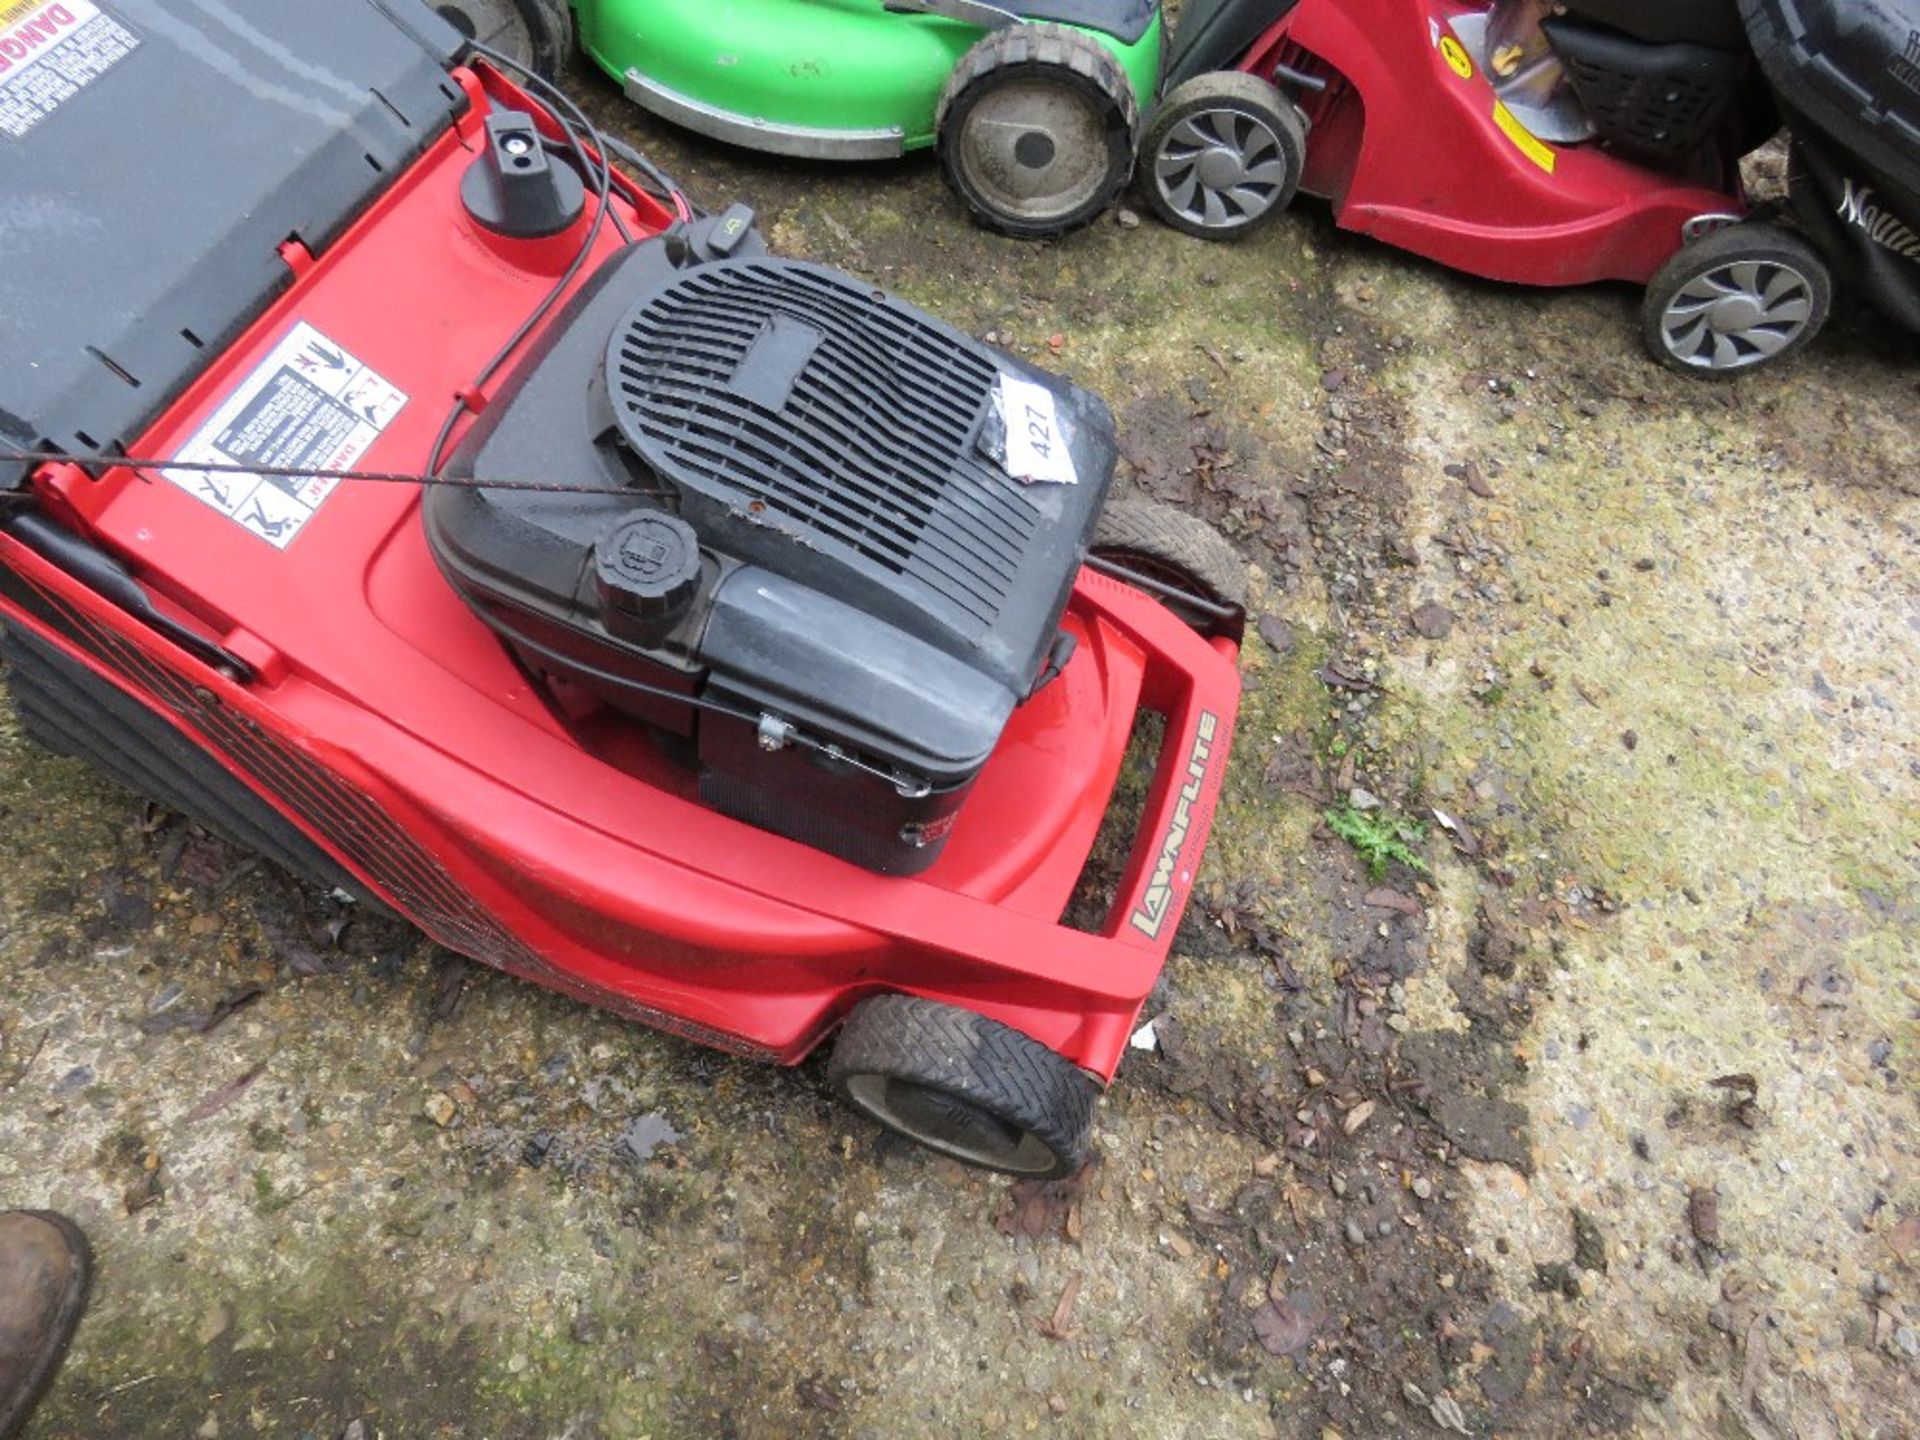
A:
(1598, 1119)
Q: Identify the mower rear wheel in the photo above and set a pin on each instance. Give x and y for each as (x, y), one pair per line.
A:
(1735, 299)
(1223, 153)
(1180, 554)
(965, 1086)
(537, 33)
(1037, 126)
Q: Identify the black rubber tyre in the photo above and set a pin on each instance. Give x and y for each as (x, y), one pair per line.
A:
(965, 1086)
(1179, 551)
(1224, 152)
(1736, 299)
(1037, 125)
(538, 33)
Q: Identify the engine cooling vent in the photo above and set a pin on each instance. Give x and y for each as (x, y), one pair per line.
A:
(799, 398)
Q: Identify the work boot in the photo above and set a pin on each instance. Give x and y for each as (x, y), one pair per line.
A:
(44, 1268)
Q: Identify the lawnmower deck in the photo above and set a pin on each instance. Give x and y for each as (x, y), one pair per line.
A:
(1412, 146)
(852, 80)
(393, 726)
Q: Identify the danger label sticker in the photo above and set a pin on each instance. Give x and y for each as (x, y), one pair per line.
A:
(308, 406)
(50, 50)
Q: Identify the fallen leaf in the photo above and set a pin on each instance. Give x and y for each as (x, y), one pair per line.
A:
(1038, 1208)
(1386, 898)
(1755, 1365)
(1703, 1216)
(1446, 1413)
(1280, 1327)
(1903, 1239)
(1335, 678)
(231, 1005)
(1358, 1116)
(1060, 1326)
(1208, 1217)
(218, 1100)
(1475, 481)
(449, 986)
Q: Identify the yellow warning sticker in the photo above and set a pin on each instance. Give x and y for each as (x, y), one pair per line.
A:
(1530, 145)
(1455, 54)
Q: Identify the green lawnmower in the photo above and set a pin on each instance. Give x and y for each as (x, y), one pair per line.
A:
(1033, 105)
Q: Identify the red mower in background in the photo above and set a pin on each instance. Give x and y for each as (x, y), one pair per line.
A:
(469, 526)
(1562, 143)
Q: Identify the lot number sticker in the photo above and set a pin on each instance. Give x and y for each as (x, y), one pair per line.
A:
(49, 51)
(309, 404)
(1037, 450)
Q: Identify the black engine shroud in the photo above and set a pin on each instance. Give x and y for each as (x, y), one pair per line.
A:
(792, 545)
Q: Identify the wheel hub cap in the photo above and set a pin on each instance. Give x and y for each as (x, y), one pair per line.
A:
(1037, 150)
(950, 1125)
(1221, 169)
(1737, 314)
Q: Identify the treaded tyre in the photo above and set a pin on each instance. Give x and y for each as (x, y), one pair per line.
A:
(965, 1086)
(1224, 152)
(538, 33)
(1178, 553)
(1735, 299)
(1036, 127)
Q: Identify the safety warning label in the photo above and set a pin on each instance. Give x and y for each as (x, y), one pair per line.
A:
(50, 50)
(308, 406)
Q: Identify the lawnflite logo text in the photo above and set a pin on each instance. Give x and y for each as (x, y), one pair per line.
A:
(1883, 227)
(42, 25)
(1152, 911)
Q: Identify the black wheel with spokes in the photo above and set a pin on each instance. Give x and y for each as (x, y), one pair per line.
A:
(1736, 299)
(963, 1085)
(1224, 152)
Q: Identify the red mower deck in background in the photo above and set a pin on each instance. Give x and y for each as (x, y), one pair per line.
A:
(1551, 143)
(285, 655)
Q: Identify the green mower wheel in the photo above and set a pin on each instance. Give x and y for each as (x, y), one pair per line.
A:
(1037, 126)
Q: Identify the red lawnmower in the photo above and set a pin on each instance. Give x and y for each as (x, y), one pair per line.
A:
(1562, 143)
(466, 524)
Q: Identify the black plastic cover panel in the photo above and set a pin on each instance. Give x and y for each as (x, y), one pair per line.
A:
(1850, 69)
(1214, 34)
(1666, 22)
(1125, 20)
(147, 184)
